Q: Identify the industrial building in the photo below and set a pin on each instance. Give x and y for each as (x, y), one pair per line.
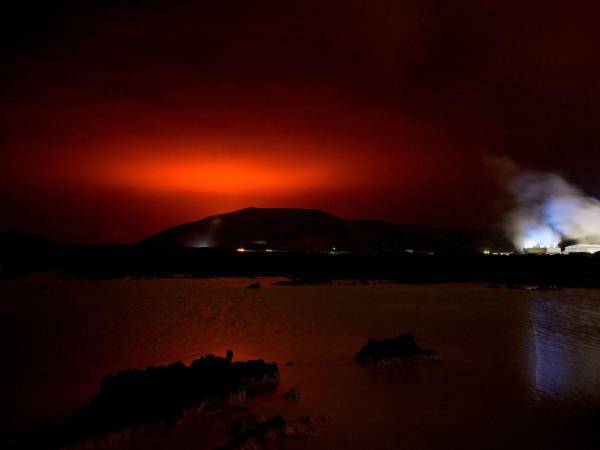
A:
(571, 249)
(542, 251)
(582, 248)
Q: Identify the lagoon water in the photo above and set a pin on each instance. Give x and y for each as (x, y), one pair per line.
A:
(520, 369)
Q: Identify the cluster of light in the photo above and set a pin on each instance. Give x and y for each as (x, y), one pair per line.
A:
(241, 250)
(540, 236)
(490, 252)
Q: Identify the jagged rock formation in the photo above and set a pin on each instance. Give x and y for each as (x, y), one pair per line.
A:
(402, 349)
(137, 397)
(254, 432)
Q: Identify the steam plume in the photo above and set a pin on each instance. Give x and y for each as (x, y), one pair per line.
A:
(548, 210)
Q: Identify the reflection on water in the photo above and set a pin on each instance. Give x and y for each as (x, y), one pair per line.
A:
(511, 359)
(565, 355)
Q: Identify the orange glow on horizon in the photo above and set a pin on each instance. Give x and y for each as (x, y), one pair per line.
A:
(222, 177)
(258, 167)
(225, 165)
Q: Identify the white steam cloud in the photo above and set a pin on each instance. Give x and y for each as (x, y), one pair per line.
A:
(548, 210)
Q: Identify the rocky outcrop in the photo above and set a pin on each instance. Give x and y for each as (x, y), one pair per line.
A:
(137, 397)
(293, 395)
(254, 432)
(402, 349)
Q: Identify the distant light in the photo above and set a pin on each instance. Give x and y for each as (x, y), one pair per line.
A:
(269, 250)
(241, 249)
(486, 252)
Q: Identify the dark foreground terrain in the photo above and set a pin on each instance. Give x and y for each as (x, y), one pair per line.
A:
(98, 262)
(519, 368)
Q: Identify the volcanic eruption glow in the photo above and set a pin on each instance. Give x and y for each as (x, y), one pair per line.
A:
(230, 177)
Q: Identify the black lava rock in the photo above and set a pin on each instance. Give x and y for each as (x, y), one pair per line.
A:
(292, 395)
(138, 397)
(401, 349)
(253, 432)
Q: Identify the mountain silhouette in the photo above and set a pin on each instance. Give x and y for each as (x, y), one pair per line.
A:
(315, 230)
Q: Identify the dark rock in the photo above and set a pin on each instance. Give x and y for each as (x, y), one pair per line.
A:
(253, 286)
(402, 349)
(303, 281)
(246, 425)
(547, 287)
(306, 419)
(253, 432)
(135, 398)
(292, 395)
(277, 421)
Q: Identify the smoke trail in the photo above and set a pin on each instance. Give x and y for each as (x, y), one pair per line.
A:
(548, 210)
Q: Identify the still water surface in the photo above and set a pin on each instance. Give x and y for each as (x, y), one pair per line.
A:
(521, 369)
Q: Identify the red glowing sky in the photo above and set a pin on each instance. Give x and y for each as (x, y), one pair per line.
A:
(119, 120)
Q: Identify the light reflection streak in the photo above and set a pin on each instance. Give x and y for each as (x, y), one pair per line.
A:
(565, 348)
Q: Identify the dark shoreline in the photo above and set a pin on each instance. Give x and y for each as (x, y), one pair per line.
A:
(134, 399)
(105, 262)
